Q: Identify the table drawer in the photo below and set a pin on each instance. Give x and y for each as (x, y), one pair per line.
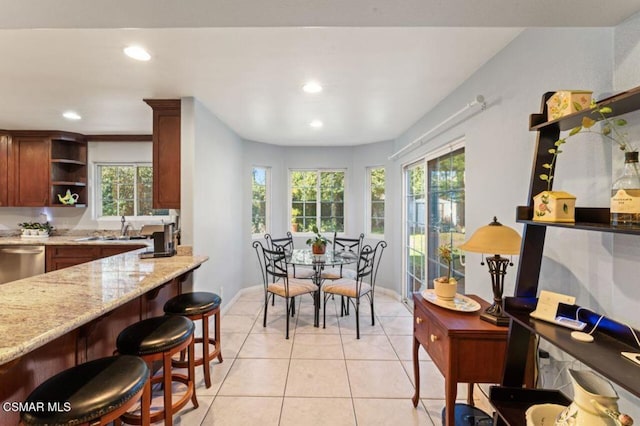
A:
(421, 326)
(438, 347)
(433, 337)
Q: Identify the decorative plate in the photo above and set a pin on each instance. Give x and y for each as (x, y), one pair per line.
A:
(460, 302)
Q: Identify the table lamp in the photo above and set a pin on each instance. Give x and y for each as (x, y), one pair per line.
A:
(499, 239)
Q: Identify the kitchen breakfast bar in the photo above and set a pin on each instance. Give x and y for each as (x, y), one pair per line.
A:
(60, 319)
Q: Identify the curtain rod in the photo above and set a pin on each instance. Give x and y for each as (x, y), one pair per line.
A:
(479, 100)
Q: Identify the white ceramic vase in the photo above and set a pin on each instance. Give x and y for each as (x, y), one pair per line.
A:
(589, 387)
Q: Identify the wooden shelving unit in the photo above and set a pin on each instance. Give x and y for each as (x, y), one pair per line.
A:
(587, 219)
(68, 169)
(510, 399)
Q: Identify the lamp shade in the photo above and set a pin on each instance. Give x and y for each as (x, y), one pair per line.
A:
(494, 238)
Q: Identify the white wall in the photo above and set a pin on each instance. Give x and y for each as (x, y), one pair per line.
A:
(377, 155)
(212, 222)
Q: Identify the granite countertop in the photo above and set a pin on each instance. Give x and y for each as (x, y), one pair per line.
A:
(69, 240)
(37, 310)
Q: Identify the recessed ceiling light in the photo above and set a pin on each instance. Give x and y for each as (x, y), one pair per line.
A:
(71, 115)
(137, 53)
(312, 87)
(316, 124)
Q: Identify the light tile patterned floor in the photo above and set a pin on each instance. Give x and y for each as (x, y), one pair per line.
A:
(320, 376)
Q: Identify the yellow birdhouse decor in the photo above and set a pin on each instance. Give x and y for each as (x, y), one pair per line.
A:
(554, 206)
(565, 102)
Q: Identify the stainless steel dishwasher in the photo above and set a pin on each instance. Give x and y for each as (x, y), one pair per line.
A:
(18, 262)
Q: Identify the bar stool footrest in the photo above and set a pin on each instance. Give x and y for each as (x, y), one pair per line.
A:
(156, 416)
(216, 353)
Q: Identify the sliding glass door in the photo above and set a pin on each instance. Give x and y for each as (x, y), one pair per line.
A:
(445, 226)
(414, 228)
(433, 209)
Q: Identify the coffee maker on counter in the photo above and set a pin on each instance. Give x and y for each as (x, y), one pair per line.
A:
(163, 242)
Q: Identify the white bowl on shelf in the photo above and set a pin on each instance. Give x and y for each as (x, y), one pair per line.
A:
(543, 414)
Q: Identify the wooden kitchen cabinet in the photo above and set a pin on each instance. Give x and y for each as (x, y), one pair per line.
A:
(29, 170)
(166, 153)
(69, 168)
(41, 165)
(4, 169)
(63, 256)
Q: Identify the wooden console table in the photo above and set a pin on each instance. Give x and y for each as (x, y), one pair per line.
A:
(463, 347)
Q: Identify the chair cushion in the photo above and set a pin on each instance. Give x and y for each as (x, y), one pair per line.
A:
(196, 303)
(154, 335)
(345, 287)
(332, 273)
(349, 273)
(303, 273)
(296, 287)
(88, 391)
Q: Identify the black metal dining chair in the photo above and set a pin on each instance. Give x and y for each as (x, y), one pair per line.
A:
(278, 282)
(354, 289)
(348, 247)
(286, 243)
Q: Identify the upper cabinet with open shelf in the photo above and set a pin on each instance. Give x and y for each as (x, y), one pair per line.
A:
(68, 168)
(43, 165)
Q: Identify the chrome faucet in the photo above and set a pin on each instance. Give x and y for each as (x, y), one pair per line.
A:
(124, 227)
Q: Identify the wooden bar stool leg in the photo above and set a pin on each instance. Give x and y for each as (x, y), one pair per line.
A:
(166, 385)
(145, 407)
(192, 373)
(205, 351)
(218, 346)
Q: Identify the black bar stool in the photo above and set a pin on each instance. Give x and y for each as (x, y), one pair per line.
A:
(196, 306)
(97, 392)
(158, 339)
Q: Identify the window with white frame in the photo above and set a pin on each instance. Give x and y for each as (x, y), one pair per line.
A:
(125, 190)
(317, 198)
(376, 197)
(260, 195)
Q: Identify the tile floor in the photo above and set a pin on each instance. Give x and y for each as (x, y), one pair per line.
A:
(320, 376)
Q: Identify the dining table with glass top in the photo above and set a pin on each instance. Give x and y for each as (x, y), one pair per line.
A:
(330, 258)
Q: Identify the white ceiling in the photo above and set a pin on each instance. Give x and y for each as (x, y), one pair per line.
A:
(383, 64)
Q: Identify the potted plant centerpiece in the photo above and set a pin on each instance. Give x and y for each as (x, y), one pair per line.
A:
(318, 242)
(446, 286)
